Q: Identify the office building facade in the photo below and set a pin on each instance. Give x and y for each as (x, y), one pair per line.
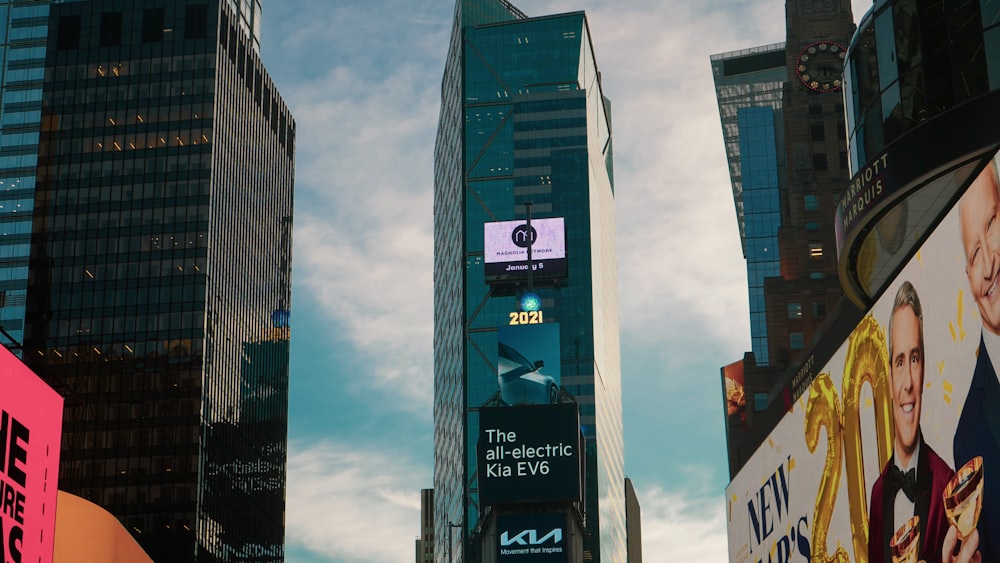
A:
(23, 34)
(424, 544)
(159, 280)
(748, 86)
(524, 132)
(782, 115)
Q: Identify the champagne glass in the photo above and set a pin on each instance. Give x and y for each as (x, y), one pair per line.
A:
(905, 543)
(963, 497)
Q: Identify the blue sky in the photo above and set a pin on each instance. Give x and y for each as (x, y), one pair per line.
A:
(362, 78)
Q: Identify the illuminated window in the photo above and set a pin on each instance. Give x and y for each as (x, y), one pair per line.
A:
(815, 250)
(795, 310)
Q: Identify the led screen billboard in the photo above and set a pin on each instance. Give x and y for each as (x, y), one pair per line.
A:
(531, 538)
(529, 454)
(506, 250)
(528, 363)
(736, 401)
(914, 387)
(30, 431)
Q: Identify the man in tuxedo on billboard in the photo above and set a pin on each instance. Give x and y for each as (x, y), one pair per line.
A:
(978, 431)
(911, 484)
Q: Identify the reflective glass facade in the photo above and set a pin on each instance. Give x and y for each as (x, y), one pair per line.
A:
(523, 120)
(23, 32)
(748, 86)
(911, 61)
(160, 268)
(920, 79)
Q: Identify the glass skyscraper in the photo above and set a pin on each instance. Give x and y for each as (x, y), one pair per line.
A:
(23, 33)
(524, 121)
(158, 284)
(748, 86)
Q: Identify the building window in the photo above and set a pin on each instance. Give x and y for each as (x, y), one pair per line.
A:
(819, 310)
(815, 109)
(815, 250)
(196, 21)
(819, 161)
(796, 341)
(818, 132)
(812, 203)
(841, 130)
(69, 33)
(152, 25)
(760, 402)
(843, 160)
(812, 226)
(816, 275)
(795, 310)
(111, 29)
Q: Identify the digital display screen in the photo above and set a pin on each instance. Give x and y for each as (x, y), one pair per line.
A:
(506, 249)
(30, 431)
(529, 454)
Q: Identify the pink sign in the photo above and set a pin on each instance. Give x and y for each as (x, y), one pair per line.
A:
(30, 431)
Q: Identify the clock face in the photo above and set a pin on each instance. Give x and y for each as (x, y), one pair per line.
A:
(820, 66)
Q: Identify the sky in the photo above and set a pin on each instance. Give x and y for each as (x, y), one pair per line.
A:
(363, 80)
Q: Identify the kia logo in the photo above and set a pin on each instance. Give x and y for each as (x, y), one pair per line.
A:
(530, 537)
(523, 235)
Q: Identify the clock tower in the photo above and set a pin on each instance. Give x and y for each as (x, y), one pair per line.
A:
(808, 290)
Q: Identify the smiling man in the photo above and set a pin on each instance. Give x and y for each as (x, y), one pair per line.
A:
(978, 431)
(912, 482)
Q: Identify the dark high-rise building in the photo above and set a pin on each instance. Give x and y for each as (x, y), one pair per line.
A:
(159, 280)
(633, 522)
(524, 133)
(782, 113)
(424, 545)
(23, 33)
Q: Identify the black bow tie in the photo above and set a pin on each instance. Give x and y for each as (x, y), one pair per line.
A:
(906, 482)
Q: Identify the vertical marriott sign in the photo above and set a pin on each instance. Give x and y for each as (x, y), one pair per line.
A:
(30, 427)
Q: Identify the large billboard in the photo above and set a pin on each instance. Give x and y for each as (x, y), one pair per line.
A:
(528, 363)
(529, 454)
(30, 431)
(506, 250)
(896, 444)
(532, 538)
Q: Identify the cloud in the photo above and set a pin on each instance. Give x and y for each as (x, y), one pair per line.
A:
(363, 224)
(680, 526)
(351, 503)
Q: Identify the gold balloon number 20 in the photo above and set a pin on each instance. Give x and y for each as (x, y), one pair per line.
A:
(867, 362)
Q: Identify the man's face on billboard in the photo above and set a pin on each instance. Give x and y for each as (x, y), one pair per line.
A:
(907, 379)
(978, 214)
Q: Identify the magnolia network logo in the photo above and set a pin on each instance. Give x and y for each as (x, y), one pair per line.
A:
(523, 235)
